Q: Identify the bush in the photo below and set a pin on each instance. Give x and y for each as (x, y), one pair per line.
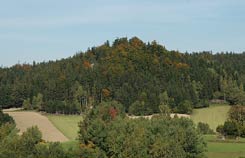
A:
(202, 104)
(231, 128)
(204, 128)
(237, 114)
(27, 104)
(220, 129)
(185, 107)
(242, 131)
(5, 118)
(137, 108)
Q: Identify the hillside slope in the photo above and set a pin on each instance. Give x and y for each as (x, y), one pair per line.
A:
(129, 71)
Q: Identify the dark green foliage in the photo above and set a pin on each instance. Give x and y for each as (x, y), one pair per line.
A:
(184, 107)
(52, 150)
(54, 106)
(38, 101)
(121, 137)
(237, 114)
(202, 104)
(137, 108)
(124, 71)
(28, 145)
(231, 128)
(5, 118)
(204, 128)
(220, 129)
(27, 104)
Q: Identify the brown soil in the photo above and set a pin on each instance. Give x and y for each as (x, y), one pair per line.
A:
(25, 120)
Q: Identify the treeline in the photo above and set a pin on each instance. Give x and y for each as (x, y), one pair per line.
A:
(134, 73)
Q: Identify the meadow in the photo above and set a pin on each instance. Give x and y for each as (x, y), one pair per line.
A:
(216, 148)
(67, 124)
(224, 149)
(214, 115)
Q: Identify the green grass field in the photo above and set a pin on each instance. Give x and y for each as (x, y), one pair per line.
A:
(214, 115)
(67, 124)
(224, 149)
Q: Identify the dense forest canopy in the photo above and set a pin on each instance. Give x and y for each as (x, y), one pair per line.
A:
(106, 132)
(132, 72)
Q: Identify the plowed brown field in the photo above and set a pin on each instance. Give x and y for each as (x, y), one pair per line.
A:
(25, 120)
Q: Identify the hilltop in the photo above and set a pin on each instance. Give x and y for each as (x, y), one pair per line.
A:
(139, 75)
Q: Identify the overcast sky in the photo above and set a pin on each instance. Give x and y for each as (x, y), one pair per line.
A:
(44, 30)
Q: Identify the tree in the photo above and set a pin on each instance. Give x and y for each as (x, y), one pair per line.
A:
(231, 129)
(27, 104)
(164, 110)
(29, 144)
(237, 114)
(220, 129)
(52, 150)
(123, 71)
(164, 98)
(185, 107)
(5, 118)
(37, 101)
(232, 93)
(101, 136)
(137, 108)
(80, 97)
(204, 128)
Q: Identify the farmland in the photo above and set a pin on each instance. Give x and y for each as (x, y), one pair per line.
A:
(67, 124)
(26, 119)
(65, 128)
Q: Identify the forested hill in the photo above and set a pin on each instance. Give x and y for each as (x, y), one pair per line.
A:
(138, 75)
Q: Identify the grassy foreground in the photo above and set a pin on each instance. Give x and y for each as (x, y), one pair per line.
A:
(225, 149)
(67, 124)
(214, 115)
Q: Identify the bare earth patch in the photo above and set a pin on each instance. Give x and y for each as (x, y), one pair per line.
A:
(150, 116)
(25, 120)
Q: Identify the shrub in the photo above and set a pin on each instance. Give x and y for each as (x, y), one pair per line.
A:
(5, 118)
(185, 107)
(231, 128)
(204, 128)
(242, 131)
(137, 108)
(220, 129)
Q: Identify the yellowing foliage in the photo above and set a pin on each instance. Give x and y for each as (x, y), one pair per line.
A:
(87, 64)
(181, 65)
(106, 92)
